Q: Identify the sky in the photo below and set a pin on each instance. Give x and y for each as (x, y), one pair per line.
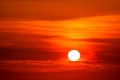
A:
(36, 36)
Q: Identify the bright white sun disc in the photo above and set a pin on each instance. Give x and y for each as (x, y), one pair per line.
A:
(74, 55)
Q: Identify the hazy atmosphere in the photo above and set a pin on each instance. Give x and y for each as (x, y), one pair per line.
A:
(36, 36)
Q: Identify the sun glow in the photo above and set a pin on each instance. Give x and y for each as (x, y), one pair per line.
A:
(73, 55)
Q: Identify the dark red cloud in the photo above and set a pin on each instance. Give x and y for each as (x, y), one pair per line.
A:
(55, 70)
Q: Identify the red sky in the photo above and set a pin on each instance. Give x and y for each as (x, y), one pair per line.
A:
(35, 37)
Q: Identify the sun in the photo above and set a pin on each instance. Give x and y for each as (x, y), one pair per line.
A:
(73, 55)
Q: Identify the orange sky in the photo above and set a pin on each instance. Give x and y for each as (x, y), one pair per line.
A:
(36, 36)
(56, 9)
(63, 35)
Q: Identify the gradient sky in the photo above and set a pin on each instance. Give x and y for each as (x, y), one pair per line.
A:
(57, 9)
(35, 37)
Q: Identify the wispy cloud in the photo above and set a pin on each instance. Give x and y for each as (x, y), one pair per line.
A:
(96, 37)
(51, 66)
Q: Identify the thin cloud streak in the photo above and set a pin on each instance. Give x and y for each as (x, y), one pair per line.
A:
(52, 66)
